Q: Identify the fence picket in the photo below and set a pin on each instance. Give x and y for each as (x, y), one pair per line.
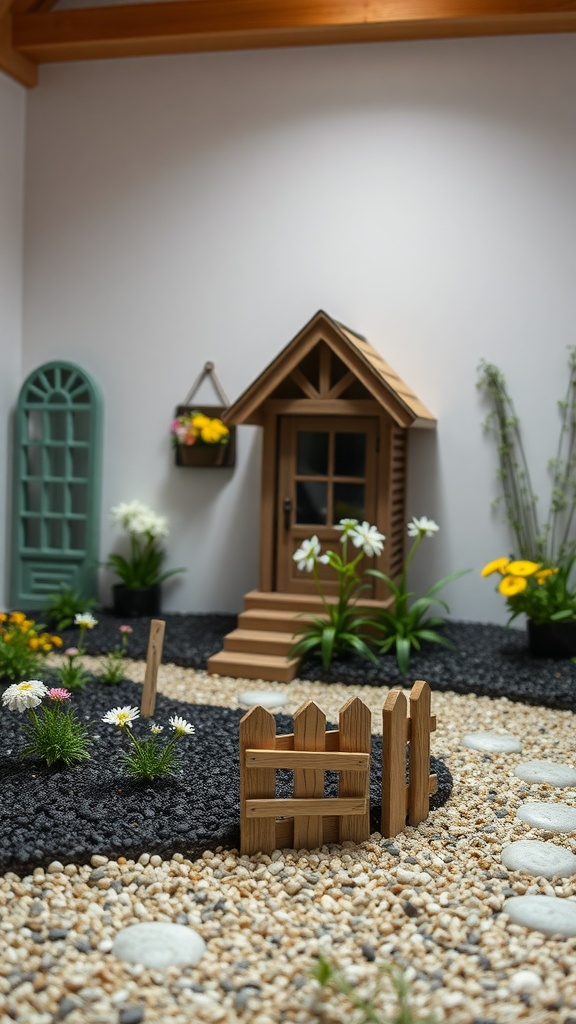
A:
(257, 731)
(309, 734)
(393, 764)
(419, 791)
(355, 727)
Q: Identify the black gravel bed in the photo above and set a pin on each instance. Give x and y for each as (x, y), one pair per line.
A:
(69, 814)
(487, 660)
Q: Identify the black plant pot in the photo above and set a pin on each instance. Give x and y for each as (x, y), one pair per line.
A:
(135, 602)
(552, 639)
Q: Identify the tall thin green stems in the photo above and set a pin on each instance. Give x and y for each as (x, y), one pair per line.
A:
(552, 540)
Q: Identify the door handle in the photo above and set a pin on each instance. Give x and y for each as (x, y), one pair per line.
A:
(287, 509)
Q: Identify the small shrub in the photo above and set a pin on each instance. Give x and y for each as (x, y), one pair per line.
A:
(64, 605)
(148, 759)
(55, 735)
(112, 668)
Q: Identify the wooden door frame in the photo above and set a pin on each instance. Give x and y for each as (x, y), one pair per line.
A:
(269, 481)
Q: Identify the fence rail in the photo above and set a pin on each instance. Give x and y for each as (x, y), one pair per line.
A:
(308, 819)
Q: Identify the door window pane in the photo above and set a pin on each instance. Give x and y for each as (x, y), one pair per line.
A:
(349, 502)
(312, 455)
(311, 502)
(350, 454)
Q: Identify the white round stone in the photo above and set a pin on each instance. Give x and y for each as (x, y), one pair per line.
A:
(546, 771)
(551, 915)
(158, 944)
(492, 742)
(525, 981)
(549, 816)
(540, 859)
(266, 698)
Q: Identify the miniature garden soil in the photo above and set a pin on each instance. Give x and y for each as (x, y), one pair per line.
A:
(430, 900)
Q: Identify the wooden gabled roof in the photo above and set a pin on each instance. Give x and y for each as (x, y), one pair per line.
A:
(364, 366)
(32, 32)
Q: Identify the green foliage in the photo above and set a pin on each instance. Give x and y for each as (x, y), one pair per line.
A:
(406, 625)
(552, 541)
(112, 668)
(142, 568)
(329, 977)
(62, 606)
(56, 736)
(23, 646)
(72, 673)
(339, 630)
(148, 760)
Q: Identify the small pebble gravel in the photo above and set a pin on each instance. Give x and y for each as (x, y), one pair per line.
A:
(464, 958)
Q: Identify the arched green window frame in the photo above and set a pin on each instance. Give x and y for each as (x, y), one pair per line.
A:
(56, 484)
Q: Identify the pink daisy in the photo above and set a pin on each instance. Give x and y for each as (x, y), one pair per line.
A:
(58, 693)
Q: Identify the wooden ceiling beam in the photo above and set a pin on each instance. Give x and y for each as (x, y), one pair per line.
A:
(12, 62)
(199, 25)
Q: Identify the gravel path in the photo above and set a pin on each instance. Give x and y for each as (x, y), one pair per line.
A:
(430, 900)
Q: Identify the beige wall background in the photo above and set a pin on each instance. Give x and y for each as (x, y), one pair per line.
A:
(204, 207)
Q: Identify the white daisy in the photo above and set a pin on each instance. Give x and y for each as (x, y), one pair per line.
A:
(85, 619)
(181, 726)
(347, 526)
(367, 537)
(422, 525)
(156, 728)
(307, 553)
(21, 696)
(121, 716)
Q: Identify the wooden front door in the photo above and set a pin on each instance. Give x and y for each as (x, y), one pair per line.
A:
(327, 471)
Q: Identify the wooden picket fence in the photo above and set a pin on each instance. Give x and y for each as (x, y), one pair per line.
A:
(308, 819)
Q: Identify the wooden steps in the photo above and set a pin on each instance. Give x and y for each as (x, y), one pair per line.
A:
(258, 648)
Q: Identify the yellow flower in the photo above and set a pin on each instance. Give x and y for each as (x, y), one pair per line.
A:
(3, 616)
(213, 432)
(522, 567)
(200, 421)
(17, 617)
(34, 643)
(25, 624)
(496, 565)
(511, 585)
(57, 641)
(46, 647)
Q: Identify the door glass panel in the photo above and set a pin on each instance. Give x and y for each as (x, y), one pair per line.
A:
(57, 425)
(55, 497)
(312, 456)
(79, 462)
(56, 461)
(54, 533)
(350, 454)
(349, 502)
(77, 533)
(33, 460)
(31, 533)
(32, 496)
(311, 502)
(78, 498)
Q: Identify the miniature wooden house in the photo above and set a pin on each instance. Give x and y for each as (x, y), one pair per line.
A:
(335, 418)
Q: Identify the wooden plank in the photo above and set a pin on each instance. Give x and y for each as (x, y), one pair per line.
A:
(355, 722)
(341, 385)
(324, 370)
(153, 661)
(419, 753)
(309, 735)
(325, 762)
(432, 727)
(303, 383)
(266, 809)
(394, 714)
(323, 407)
(268, 500)
(286, 742)
(257, 730)
(197, 25)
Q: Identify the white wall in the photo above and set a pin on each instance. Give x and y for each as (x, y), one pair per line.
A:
(12, 126)
(204, 207)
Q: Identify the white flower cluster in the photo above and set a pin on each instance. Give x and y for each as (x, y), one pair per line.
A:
(362, 535)
(138, 519)
(422, 526)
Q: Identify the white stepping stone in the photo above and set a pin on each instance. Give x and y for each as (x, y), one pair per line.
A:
(551, 915)
(492, 742)
(266, 698)
(546, 771)
(552, 817)
(540, 859)
(158, 944)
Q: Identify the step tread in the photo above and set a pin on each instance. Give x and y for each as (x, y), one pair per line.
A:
(253, 659)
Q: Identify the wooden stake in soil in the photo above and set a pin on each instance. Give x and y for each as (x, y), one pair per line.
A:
(153, 660)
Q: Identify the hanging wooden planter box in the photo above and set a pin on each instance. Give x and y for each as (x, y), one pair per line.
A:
(222, 456)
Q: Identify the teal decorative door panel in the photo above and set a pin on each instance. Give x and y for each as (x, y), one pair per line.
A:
(56, 485)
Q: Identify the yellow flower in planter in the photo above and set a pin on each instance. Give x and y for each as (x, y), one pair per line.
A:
(511, 585)
(496, 565)
(522, 567)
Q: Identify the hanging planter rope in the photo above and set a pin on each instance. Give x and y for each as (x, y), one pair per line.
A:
(203, 452)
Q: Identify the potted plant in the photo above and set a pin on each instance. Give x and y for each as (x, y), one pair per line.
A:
(544, 594)
(537, 581)
(140, 573)
(199, 439)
